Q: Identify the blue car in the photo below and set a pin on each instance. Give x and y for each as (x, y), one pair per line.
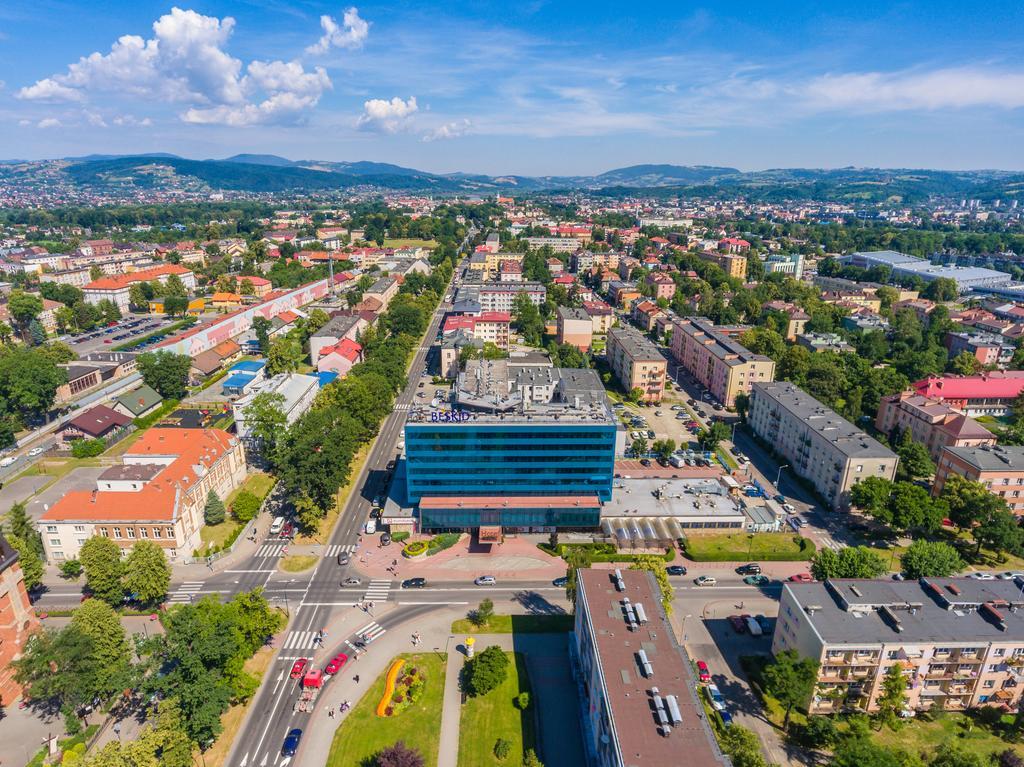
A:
(291, 742)
(726, 718)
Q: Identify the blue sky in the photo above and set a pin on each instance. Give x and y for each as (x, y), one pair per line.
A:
(529, 87)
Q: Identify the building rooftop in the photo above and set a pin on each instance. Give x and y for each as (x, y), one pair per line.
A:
(291, 386)
(630, 695)
(638, 347)
(138, 472)
(991, 457)
(573, 313)
(958, 610)
(719, 344)
(928, 270)
(846, 437)
(139, 400)
(120, 281)
(99, 420)
(999, 384)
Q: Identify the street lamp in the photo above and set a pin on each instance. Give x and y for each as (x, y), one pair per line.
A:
(778, 477)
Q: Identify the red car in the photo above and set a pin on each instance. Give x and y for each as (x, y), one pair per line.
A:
(298, 667)
(287, 530)
(802, 578)
(702, 671)
(336, 663)
(738, 624)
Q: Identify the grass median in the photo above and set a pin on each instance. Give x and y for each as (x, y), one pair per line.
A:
(487, 718)
(738, 547)
(516, 624)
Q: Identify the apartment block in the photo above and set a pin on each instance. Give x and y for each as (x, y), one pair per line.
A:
(602, 316)
(721, 364)
(988, 349)
(820, 445)
(999, 467)
(933, 423)
(958, 642)
(732, 264)
(116, 288)
(574, 327)
(490, 327)
(637, 363)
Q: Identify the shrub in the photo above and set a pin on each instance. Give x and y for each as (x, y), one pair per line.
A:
(245, 506)
(87, 448)
(71, 568)
(502, 748)
(414, 549)
(818, 732)
(486, 671)
(441, 542)
(399, 537)
(523, 701)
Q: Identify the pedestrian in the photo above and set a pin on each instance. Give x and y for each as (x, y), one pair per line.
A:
(356, 679)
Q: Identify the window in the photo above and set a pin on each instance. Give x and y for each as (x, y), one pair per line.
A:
(79, 528)
(988, 684)
(58, 555)
(51, 528)
(143, 532)
(131, 532)
(117, 532)
(55, 541)
(999, 652)
(104, 532)
(157, 532)
(860, 467)
(170, 532)
(81, 541)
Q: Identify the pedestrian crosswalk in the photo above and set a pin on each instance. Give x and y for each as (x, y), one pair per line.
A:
(367, 634)
(377, 591)
(186, 592)
(402, 406)
(337, 548)
(300, 640)
(271, 549)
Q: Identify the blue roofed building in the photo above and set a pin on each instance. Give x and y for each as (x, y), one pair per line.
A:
(243, 376)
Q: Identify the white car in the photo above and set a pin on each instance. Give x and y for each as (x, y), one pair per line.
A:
(485, 580)
(1011, 575)
(36, 451)
(982, 576)
(8, 461)
(789, 507)
(715, 696)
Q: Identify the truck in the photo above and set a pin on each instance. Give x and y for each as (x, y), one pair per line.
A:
(753, 626)
(312, 682)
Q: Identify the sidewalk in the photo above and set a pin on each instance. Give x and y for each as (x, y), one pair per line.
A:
(517, 558)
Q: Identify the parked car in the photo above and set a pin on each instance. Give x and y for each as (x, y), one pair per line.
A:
(287, 530)
(802, 578)
(343, 558)
(414, 583)
(675, 570)
(1011, 575)
(738, 624)
(790, 508)
(750, 569)
(336, 664)
(982, 576)
(756, 580)
(298, 667)
(485, 580)
(703, 674)
(715, 696)
(561, 582)
(726, 717)
(764, 622)
(704, 580)
(36, 451)
(645, 462)
(780, 498)
(291, 742)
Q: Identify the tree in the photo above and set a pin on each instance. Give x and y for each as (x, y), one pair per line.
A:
(742, 746)
(486, 671)
(819, 732)
(663, 448)
(941, 289)
(36, 333)
(399, 755)
(30, 561)
(285, 356)
(104, 570)
(71, 569)
(502, 748)
(1000, 532)
(109, 310)
(969, 501)
(165, 372)
(790, 679)
(635, 395)
(848, 562)
(1009, 758)
(576, 558)
(528, 322)
(137, 297)
(265, 420)
(175, 306)
(65, 319)
(965, 364)
(213, 513)
(863, 752)
(530, 759)
(952, 754)
(763, 340)
(742, 404)
(28, 380)
(23, 308)
(930, 559)
(98, 621)
(710, 437)
(163, 742)
(71, 652)
(894, 695)
(261, 327)
(656, 565)
(639, 446)
(245, 506)
(21, 525)
(5, 332)
(95, 272)
(482, 615)
(912, 508)
(915, 462)
(174, 286)
(147, 573)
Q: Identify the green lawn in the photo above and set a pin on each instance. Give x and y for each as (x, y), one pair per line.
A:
(924, 733)
(362, 733)
(217, 535)
(492, 716)
(400, 242)
(296, 563)
(516, 624)
(735, 547)
(257, 483)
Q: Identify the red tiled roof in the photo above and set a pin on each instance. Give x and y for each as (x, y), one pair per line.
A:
(98, 421)
(119, 281)
(346, 348)
(997, 385)
(287, 316)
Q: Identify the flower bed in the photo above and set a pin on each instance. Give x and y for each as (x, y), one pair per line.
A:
(415, 549)
(407, 690)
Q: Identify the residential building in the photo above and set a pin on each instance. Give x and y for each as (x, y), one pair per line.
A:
(933, 423)
(865, 323)
(574, 327)
(636, 363)
(499, 296)
(785, 263)
(622, 294)
(557, 244)
(663, 284)
(212, 360)
(116, 288)
(733, 245)
(157, 492)
(226, 302)
(720, 363)
(797, 317)
(958, 642)
(921, 307)
(383, 290)
(18, 620)
(985, 394)
(297, 393)
(489, 327)
(638, 696)
(510, 271)
(988, 349)
(824, 342)
(820, 445)
(337, 328)
(526, 447)
(902, 265)
(493, 242)
(243, 376)
(98, 422)
(733, 265)
(602, 316)
(81, 378)
(138, 403)
(999, 467)
(646, 314)
(339, 358)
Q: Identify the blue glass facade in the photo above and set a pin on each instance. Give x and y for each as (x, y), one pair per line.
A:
(510, 459)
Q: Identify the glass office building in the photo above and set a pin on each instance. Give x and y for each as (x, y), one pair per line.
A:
(546, 464)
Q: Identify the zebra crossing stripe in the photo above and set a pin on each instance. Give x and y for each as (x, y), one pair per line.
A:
(338, 548)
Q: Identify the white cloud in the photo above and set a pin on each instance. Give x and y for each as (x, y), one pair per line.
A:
(351, 33)
(387, 116)
(94, 119)
(49, 122)
(185, 63)
(951, 88)
(131, 121)
(448, 130)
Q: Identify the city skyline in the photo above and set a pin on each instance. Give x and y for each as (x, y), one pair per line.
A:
(536, 89)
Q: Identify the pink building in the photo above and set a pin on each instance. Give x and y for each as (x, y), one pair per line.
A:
(340, 358)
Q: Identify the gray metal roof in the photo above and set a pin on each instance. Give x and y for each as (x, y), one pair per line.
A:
(992, 457)
(945, 610)
(637, 346)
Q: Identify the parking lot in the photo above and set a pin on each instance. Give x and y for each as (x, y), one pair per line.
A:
(103, 338)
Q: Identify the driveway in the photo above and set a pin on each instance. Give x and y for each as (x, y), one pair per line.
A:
(79, 479)
(21, 489)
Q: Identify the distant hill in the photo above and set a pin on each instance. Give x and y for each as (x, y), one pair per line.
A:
(259, 159)
(662, 175)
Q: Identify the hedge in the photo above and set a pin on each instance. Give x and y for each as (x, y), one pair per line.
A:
(600, 552)
(399, 537)
(165, 409)
(415, 549)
